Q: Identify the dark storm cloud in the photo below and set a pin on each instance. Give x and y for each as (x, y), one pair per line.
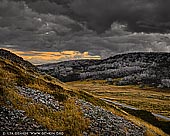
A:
(26, 28)
(22, 26)
(46, 7)
(139, 15)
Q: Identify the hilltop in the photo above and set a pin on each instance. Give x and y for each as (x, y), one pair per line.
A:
(30, 101)
(4, 54)
(139, 68)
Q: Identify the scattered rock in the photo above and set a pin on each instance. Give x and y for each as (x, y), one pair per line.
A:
(16, 120)
(39, 96)
(105, 123)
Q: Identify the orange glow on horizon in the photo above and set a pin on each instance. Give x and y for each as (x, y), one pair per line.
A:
(37, 57)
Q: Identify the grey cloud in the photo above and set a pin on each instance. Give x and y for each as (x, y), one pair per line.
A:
(109, 45)
(47, 7)
(101, 13)
(11, 9)
(140, 16)
(29, 30)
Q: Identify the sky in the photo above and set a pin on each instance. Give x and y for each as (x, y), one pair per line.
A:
(47, 31)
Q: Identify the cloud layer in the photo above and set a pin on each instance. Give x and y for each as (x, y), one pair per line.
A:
(145, 15)
(20, 25)
(31, 28)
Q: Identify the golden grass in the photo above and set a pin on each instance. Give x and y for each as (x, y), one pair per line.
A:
(70, 119)
(131, 95)
(150, 99)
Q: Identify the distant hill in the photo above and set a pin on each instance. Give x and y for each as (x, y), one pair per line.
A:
(67, 70)
(150, 68)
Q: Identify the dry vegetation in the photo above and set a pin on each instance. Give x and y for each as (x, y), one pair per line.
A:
(70, 119)
(146, 99)
(150, 99)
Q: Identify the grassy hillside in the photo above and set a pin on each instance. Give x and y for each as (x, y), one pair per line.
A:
(69, 120)
(57, 106)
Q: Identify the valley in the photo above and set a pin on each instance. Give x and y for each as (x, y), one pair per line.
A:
(150, 99)
(148, 103)
(32, 100)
